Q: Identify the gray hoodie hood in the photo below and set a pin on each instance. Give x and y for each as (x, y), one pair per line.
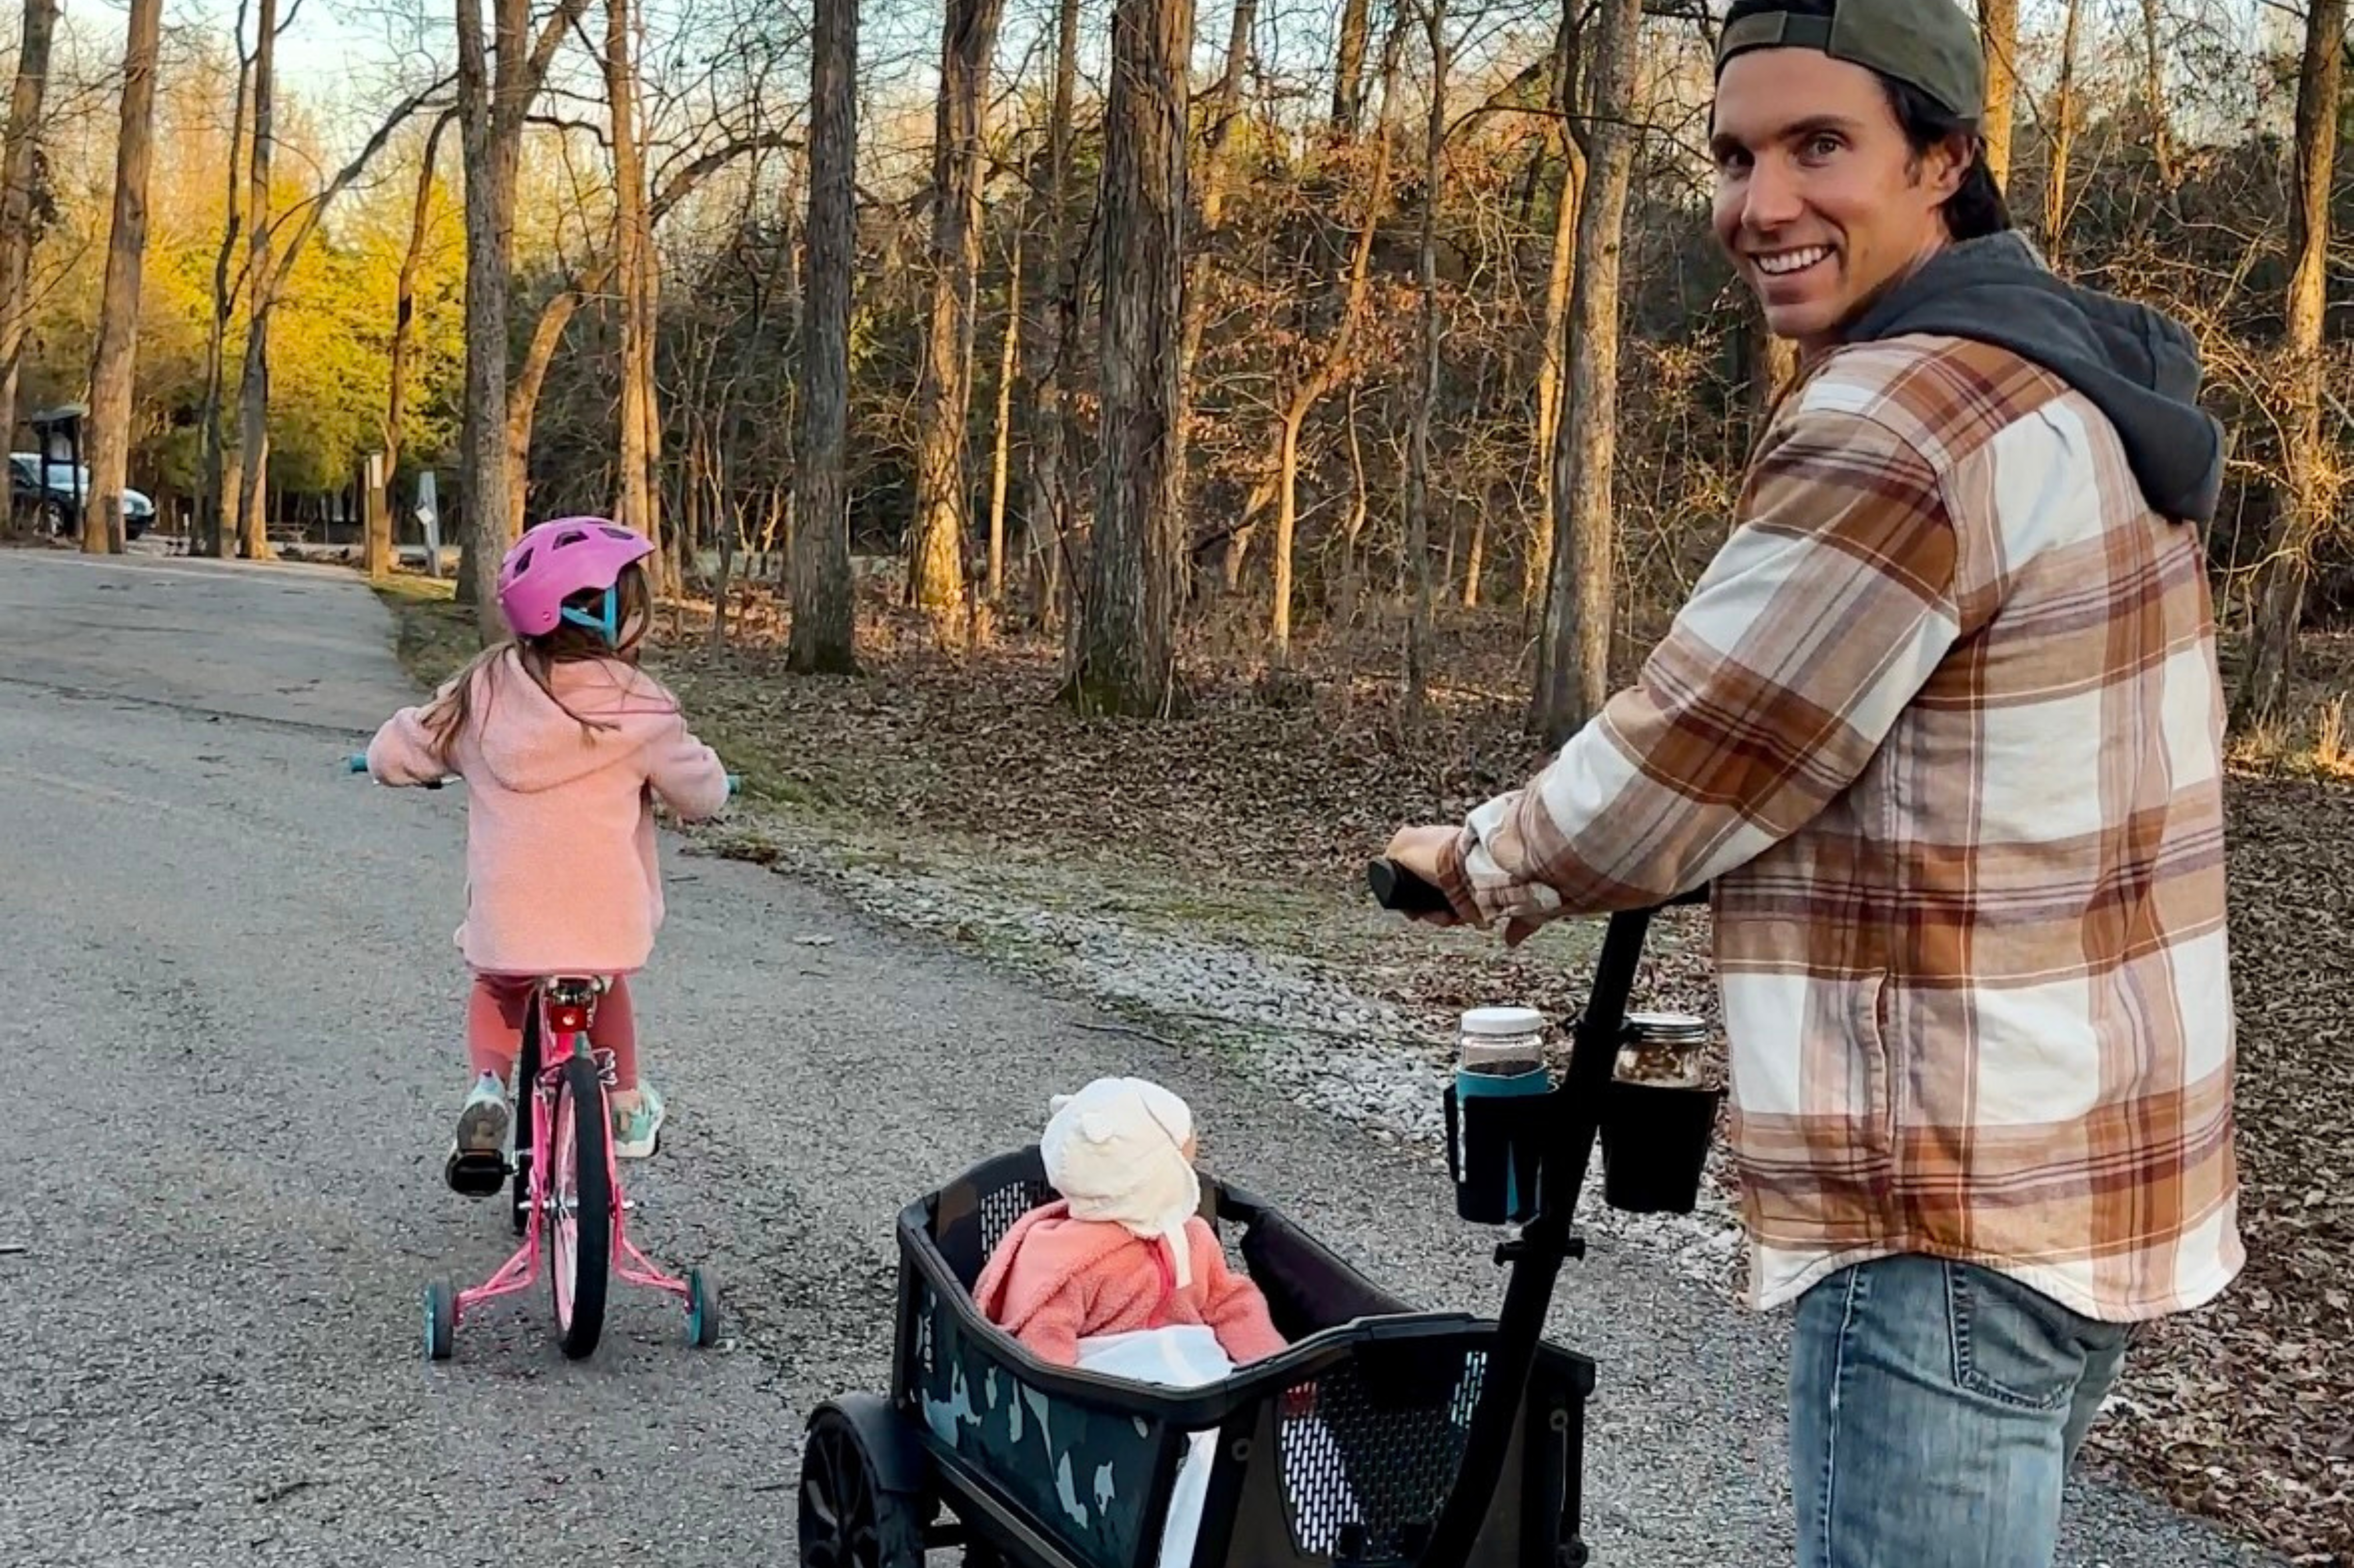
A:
(2137, 365)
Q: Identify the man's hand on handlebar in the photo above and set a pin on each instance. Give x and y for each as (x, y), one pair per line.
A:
(1423, 851)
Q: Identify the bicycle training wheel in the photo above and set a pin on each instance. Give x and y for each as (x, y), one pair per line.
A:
(580, 1193)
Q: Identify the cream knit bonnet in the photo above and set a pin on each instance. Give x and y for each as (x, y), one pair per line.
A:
(1116, 1152)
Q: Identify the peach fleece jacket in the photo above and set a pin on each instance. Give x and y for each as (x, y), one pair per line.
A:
(561, 873)
(1054, 1280)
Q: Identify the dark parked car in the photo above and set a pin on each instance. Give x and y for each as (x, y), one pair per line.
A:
(55, 507)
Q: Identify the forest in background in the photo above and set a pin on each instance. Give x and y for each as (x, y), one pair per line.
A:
(1348, 391)
(1432, 255)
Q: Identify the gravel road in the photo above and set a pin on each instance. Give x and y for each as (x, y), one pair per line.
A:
(232, 1033)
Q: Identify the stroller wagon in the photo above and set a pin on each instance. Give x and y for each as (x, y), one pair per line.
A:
(1383, 1437)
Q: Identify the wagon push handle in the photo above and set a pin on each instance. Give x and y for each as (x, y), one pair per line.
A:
(1536, 1255)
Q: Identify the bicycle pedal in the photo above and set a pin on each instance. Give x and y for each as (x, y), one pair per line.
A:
(476, 1174)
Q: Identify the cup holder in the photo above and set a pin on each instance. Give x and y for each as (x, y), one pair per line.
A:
(1495, 1143)
(1655, 1139)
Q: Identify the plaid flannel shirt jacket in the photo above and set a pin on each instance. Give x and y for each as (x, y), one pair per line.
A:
(1942, 723)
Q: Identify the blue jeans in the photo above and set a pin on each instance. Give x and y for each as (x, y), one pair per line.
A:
(1934, 1410)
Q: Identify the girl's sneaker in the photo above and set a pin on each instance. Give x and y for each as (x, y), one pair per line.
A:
(477, 1166)
(637, 1120)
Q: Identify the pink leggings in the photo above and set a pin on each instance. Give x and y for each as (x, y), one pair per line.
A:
(494, 1014)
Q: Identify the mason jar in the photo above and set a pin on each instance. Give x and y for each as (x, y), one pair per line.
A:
(1662, 1048)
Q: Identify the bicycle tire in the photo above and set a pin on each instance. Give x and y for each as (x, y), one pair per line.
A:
(580, 1107)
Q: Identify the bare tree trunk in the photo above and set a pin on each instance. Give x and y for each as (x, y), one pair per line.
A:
(700, 468)
(2153, 87)
(1417, 480)
(403, 330)
(638, 492)
(2064, 111)
(1575, 679)
(547, 333)
(1344, 597)
(2303, 505)
(1225, 110)
(1446, 557)
(1348, 68)
(823, 628)
(1047, 518)
(492, 115)
(682, 545)
(483, 480)
(633, 499)
(774, 534)
(1224, 107)
(212, 505)
(271, 266)
(1281, 481)
(1329, 370)
(1126, 641)
(1998, 35)
(1008, 365)
(115, 355)
(1539, 555)
(1475, 558)
(1558, 283)
(936, 547)
(1287, 520)
(16, 171)
(531, 376)
(253, 391)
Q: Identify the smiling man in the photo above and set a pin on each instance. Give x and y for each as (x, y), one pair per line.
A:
(1942, 727)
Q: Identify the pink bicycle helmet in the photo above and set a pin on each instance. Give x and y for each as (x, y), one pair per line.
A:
(555, 560)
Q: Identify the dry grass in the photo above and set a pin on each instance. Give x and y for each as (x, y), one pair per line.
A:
(2311, 740)
(433, 634)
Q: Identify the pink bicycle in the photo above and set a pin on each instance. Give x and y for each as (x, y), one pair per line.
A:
(573, 1195)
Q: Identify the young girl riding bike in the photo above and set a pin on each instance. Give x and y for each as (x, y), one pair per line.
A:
(563, 742)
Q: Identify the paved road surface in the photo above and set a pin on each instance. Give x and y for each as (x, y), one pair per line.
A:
(232, 1058)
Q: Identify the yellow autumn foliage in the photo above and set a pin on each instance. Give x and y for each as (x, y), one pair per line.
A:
(332, 327)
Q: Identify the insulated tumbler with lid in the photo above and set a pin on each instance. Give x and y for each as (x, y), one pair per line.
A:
(1500, 1067)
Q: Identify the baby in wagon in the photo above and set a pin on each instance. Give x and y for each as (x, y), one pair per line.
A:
(1125, 1251)
(1122, 1277)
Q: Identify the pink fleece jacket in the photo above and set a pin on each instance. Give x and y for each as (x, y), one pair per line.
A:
(561, 873)
(1054, 1280)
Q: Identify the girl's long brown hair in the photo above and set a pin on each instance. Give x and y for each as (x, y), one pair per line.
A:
(448, 716)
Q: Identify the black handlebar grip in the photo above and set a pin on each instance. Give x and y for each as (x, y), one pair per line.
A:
(1396, 888)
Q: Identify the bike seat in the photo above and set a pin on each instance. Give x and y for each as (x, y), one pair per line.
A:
(571, 1000)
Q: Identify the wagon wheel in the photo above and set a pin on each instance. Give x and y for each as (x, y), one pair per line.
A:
(847, 1518)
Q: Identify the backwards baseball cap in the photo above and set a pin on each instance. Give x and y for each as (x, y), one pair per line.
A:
(1926, 44)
